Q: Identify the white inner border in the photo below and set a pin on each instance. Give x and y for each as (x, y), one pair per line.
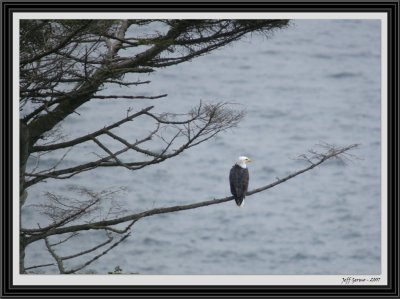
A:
(202, 279)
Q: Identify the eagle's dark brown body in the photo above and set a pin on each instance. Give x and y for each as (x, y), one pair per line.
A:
(239, 181)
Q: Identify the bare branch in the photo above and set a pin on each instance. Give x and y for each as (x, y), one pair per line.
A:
(110, 153)
(63, 210)
(39, 266)
(130, 97)
(207, 120)
(123, 83)
(65, 240)
(103, 162)
(134, 146)
(37, 234)
(98, 256)
(58, 260)
(332, 153)
(68, 257)
(91, 135)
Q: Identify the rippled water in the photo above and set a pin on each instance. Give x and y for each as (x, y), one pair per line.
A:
(317, 81)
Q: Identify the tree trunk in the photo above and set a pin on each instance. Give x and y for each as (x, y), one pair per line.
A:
(23, 154)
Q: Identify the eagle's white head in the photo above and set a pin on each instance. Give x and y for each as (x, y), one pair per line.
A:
(242, 160)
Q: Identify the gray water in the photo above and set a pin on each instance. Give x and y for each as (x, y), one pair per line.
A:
(316, 81)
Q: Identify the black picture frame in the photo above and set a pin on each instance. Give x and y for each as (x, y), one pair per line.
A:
(10, 290)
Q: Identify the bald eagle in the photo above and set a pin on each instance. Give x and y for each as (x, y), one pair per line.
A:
(239, 180)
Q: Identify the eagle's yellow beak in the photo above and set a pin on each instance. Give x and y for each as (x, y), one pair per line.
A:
(248, 160)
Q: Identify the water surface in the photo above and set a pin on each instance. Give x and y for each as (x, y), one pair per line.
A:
(317, 81)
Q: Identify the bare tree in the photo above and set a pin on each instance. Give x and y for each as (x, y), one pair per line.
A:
(66, 63)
